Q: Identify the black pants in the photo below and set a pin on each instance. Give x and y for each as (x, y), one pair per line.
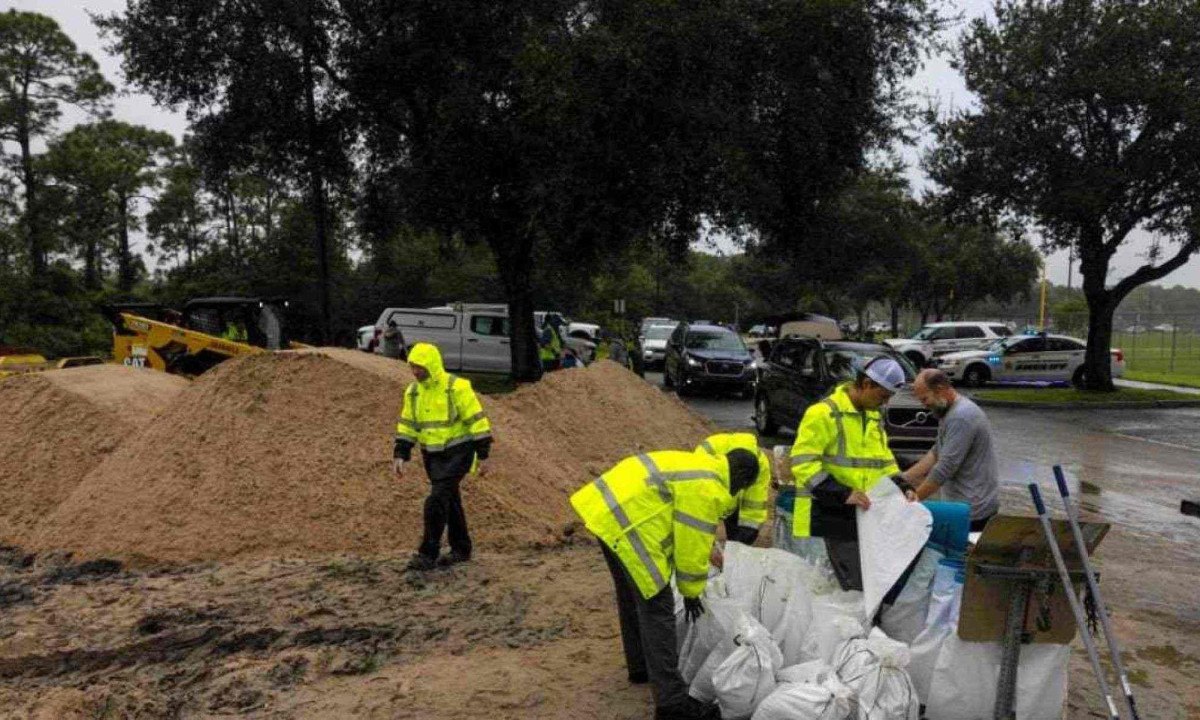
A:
(978, 525)
(444, 508)
(648, 635)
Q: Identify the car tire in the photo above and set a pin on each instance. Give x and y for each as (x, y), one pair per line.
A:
(976, 375)
(916, 358)
(763, 422)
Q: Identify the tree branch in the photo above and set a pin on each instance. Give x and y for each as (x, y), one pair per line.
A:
(1150, 273)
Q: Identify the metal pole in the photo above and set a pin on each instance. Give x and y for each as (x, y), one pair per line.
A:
(1006, 686)
(1094, 587)
(1072, 599)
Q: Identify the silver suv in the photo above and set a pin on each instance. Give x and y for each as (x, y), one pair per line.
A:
(937, 339)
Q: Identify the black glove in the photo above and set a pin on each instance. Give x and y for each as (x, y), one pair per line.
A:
(901, 483)
(692, 609)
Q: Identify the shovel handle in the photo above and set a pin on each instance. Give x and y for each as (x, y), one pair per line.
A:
(1061, 479)
(1036, 494)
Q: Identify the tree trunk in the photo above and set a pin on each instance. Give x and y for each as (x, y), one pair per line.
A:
(124, 256)
(317, 190)
(1097, 364)
(895, 320)
(32, 217)
(515, 274)
(91, 278)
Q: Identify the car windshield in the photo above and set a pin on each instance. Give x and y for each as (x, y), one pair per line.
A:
(712, 340)
(1005, 342)
(843, 361)
(924, 333)
(659, 332)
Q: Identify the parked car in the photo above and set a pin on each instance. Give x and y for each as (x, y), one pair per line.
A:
(801, 370)
(937, 339)
(704, 355)
(471, 337)
(367, 338)
(654, 344)
(762, 331)
(1050, 358)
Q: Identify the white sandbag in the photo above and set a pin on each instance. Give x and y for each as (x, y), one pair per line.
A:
(837, 616)
(874, 668)
(890, 535)
(776, 585)
(813, 671)
(719, 623)
(940, 623)
(964, 681)
(747, 676)
(827, 700)
(905, 619)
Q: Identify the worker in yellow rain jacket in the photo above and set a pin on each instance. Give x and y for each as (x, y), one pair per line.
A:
(841, 452)
(744, 523)
(442, 414)
(655, 515)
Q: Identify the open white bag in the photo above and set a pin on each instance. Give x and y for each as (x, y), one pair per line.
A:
(964, 681)
(874, 667)
(747, 676)
(905, 619)
(940, 623)
(890, 535)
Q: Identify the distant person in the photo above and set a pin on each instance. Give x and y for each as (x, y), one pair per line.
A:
(235, 331)
(442, 414)
(962, 463)
(841, 452)
(570, 359)
(656, 515)
(393, 342)
(550, 344)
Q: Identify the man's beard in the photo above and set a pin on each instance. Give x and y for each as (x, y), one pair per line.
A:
(939, 409)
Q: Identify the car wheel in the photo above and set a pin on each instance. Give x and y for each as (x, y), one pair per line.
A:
(916, 358)
(762, 417)
(976, 375)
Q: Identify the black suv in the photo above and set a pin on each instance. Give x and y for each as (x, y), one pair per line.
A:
(701, 355)
(800, 371)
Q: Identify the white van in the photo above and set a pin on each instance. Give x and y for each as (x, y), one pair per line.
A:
(471, 337)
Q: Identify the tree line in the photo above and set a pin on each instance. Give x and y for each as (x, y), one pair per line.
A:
(353, 154)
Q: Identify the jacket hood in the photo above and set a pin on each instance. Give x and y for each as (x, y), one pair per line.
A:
(430, 358)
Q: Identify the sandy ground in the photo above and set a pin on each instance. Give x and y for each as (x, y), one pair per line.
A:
(526, 630)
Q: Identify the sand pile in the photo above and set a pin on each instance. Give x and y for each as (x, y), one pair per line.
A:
(289, 454)
(56, 426)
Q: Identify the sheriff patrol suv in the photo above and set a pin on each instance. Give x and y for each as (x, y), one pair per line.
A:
(937, 339)
(1048, 358)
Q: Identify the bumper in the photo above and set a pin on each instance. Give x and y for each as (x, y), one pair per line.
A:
(703, 378)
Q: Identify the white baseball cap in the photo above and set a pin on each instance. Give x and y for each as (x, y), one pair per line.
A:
(886, 373)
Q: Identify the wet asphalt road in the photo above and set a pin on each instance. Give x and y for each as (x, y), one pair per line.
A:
(1132, 467)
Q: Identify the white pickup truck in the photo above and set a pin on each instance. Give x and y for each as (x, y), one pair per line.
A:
(471, 337)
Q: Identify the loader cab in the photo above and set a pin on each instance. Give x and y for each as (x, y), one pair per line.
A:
(255, 321)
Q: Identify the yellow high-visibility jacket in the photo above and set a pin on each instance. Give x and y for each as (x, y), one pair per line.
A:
(751, 502)
(836, 443)
(440, 413)
(658, 513)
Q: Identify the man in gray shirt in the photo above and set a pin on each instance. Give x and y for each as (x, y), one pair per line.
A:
(962, 463)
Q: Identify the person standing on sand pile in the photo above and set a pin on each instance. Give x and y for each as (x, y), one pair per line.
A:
(442, 414)
(656, 514)
(743, 524)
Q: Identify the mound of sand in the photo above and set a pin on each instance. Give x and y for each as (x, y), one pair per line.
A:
(289, 454)
(56, 426)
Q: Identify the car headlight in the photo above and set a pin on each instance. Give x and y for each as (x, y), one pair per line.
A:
(693, 362)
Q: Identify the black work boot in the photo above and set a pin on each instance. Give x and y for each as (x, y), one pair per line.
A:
(689, 709)
(421, 563)
(453, 557)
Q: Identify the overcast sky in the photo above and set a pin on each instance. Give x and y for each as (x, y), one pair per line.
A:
(936, 81)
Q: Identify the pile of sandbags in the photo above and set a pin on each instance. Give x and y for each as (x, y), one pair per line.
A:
(781, 641)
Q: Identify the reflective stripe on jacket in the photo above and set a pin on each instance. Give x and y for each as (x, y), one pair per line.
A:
(838, 442)
(658, 513)
(443, 410)
(751, 502)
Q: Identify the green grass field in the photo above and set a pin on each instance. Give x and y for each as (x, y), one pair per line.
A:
(1151, 352)
(1164, 378)
(1071, 395)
